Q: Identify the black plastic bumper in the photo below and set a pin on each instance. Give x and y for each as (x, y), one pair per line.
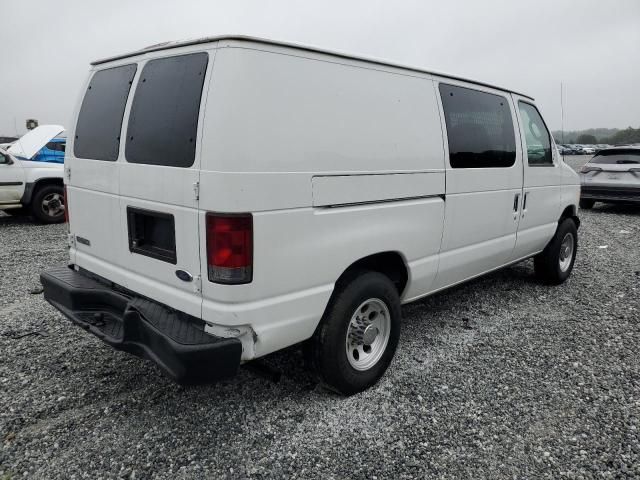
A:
(175, 341)
(611, 194)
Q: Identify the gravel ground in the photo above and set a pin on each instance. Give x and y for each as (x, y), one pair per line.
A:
(499, 378)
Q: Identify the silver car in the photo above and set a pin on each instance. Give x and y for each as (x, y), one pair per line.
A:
(612, 175)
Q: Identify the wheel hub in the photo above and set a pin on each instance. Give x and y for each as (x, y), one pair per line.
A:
(368, 334)
(566, 252)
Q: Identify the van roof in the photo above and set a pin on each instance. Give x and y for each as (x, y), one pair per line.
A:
(183, 43)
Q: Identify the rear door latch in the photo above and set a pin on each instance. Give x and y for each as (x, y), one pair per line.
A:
(196, 190)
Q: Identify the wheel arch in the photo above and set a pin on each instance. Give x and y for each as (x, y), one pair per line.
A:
(32, 187)
(570, 211)
(390, 263)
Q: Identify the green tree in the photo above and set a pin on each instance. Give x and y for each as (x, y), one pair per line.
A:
(587, 139)
(630, 135)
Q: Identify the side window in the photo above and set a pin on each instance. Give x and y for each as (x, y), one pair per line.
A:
(100, 117)
(163, 122)
(479, 128)
(4, 159)
(56, 146)
(536, 135)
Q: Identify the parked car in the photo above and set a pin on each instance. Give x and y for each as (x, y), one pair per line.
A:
(31, 187)
(564, 150)
(612, 175)
(587, 150)
(571, 150)
(53, 151)
(288, 195)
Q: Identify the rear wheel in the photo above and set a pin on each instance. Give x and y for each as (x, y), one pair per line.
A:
(555, 263)
(587, 203)
(47, 204)
(358, 335)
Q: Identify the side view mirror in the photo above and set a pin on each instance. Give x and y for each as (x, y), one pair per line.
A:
(5, 159)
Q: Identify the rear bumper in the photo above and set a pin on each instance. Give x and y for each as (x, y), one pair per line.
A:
(610, 194)
(173, 340)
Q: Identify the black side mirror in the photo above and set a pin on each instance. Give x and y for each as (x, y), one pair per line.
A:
(5, 159)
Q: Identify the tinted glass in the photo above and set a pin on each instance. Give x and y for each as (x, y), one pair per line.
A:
(479, 128)
(536, 135)
(100, 117)
(56, 146)
(164, 115)
(618, 156)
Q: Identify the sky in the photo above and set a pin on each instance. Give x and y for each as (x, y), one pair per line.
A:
(592, 47)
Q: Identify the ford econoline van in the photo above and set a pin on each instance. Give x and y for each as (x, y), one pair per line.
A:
(231, 196)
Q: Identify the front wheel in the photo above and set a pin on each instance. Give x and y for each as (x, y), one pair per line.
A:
(358, 334)
(555, 263)
(47, 204)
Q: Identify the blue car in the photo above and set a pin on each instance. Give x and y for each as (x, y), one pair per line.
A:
(52, 152)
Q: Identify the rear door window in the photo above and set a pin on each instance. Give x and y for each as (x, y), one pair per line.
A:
(163, 122)
(536, 136)
(100, 118)
(479, 128)
(617, 157)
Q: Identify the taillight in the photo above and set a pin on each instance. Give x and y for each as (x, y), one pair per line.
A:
(66, 205)
(230, 248)
(588, 168)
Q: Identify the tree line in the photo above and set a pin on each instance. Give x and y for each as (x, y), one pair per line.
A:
(610, 136)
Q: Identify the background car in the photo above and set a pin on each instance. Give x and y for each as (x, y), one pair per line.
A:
(612, 175)
(53, 151)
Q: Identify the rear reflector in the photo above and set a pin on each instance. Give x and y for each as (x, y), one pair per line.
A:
(230, 248)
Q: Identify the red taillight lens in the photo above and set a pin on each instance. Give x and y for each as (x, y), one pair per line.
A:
(66, 205)
(589, 168)
(230, 248)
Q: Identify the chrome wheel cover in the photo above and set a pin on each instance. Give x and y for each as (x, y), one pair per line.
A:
(566, 252)
(368, 334)
(53, 204)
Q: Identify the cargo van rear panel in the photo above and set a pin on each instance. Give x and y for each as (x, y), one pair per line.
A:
(138, 220)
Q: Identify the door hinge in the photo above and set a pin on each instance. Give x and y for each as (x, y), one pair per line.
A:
(67, 172)
(197, 284)
(71, 240)
(196, 190)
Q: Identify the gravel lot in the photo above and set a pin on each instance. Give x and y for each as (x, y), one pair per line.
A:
(499, 378)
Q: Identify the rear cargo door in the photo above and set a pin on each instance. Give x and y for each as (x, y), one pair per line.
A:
(92, 172)
(159, 181)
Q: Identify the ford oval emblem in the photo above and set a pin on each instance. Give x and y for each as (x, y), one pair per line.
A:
(184, 275)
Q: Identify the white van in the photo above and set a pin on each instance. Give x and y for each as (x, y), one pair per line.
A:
(231, 196)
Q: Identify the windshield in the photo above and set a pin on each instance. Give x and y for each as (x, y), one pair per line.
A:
(617, 156)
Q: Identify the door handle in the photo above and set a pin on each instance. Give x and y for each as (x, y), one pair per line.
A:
(516, 202)
(524, 203)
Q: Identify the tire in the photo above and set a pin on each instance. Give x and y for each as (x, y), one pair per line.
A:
(47, 204)
(359, 293)
(587, 203)
(555, 263)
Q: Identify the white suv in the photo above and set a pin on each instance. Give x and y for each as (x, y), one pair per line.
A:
(231, 196)
(32, 187)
